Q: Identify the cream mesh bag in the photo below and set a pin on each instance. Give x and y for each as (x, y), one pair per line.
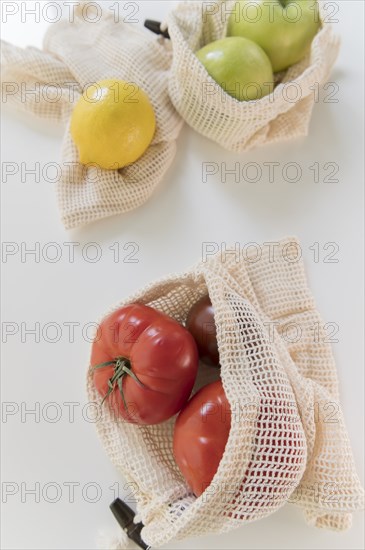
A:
(75, 55)
(239, 125)
(288, 441)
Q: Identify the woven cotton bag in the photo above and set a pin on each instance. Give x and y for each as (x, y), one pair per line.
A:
(79, 53)
(240, 125)
(288, 441)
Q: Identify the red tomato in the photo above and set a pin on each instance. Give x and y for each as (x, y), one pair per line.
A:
(200, 323)
(145, 364)
(200, 436)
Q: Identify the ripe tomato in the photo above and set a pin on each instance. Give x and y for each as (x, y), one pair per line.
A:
(200, 323)
(200, 436)
(145, 364)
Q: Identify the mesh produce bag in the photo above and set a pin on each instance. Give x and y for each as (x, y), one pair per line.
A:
(239, 125)
(287, 442)
(75, 55)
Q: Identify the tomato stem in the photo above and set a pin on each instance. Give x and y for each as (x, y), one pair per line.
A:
(122, 368)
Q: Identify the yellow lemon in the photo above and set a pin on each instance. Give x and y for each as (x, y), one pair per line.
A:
(112, 124)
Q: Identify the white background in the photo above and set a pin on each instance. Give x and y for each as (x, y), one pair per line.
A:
(169, 230)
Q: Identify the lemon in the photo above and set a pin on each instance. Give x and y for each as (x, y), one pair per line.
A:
(112, 124)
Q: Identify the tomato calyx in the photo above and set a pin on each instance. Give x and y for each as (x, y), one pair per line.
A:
(122, 368)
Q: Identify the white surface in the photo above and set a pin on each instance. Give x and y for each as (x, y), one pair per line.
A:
(169, 230)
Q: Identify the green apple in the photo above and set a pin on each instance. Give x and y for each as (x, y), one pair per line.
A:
(283, 28)
(239, 66)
